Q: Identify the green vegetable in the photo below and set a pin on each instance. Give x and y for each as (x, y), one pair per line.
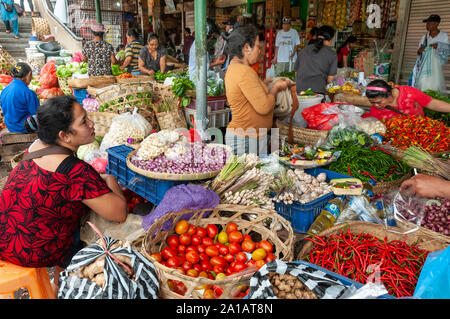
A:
(339, 137)
(289, 75)
(435, 115)
(115, 69)
(84, 150)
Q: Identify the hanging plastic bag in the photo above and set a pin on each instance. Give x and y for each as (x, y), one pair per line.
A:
(430, 75)
(126, 128)
(48, 78)
(109, 270)
(434, 279)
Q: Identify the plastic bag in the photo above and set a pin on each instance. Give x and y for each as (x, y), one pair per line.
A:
(48, 78)
(343, 133)
(324, 116)
(99, 164)
(49, 93)
(321, 284)
(117, 283)
(359, 208)
(126, 128)
(430, 75)
(434, 279)
(270, 72)
(215, 84)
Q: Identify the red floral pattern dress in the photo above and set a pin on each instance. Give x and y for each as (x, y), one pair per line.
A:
(40, 211)
(410, 101)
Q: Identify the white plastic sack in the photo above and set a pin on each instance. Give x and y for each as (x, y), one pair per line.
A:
(430, 75)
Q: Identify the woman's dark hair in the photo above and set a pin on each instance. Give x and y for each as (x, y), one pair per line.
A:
(325, 33)
(20, 70)
(55, 115)
(241, 35)
(151, 36)
(382, 90)
(133, 33)
(98, 34)
(350, 39)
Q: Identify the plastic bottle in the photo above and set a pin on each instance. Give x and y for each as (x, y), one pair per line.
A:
(328, 216)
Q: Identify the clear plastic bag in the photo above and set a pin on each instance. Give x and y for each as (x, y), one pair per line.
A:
(127, 128)
(359, 208)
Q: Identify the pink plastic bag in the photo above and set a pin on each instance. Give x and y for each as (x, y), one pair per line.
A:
(48, 78)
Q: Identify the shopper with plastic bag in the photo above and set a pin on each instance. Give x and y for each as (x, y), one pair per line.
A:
(434, 50)
(388, 102)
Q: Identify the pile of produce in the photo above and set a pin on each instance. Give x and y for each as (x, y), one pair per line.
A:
(179, 87)
(116, 71)
(369, 164)
(420, 159)
(350, 254)
(297, 185)
(125, 75)
(437, 216)
(406, 131)
(435, 115)
(342, 137)
(66, 71)
(212, 252)
(286, 286)
(169, 152)
(305, 156)
(289, 75)
(139, 99)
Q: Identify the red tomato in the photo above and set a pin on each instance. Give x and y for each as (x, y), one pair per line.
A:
(201, 232)
(212, 251)
(192, 273)
(229, 271)
(191, 248)
(248, 246)
(231, 227)
(157, 256)
(181, 257)
(203, 274)
(259, 263)
(218, 291)
(241, 257)
(201, 248)
(192, 257)
(197, 267)
(168, 252)
(266, 245)
(269, 257)
(234, 248)
(209, 294)
(186, 265)
(210, 276)
(203, 257)
(223, 250)
(185, 239)
(173, 241)
(192, 230)
(235, 237)
(181, 270)
(218, 261)
(248, 237)
(251, 263)
(206, 266)
(211, 230)
(207, 241)
(181, 249)
(196, 240)
(239, 266)
(181, 227)
(180, 288)
(228, 258)
(173, 262)
(218, 269)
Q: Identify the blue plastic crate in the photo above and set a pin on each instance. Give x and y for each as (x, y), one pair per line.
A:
(301, 216)
(151, 189)
(80, 95)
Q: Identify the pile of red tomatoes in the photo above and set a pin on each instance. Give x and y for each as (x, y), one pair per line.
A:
(212, 253)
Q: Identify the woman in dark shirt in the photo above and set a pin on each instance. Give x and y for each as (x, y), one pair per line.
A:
(152, 57)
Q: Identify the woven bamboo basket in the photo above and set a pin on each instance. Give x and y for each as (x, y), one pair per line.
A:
(301, 135)
(93, 81)
(102, 121)
(150, 116)
(408, 226)
(64, 85)
(175, 177)
(171, 120)
(6, 61)
(424, 240)
(381, 188)
(105, 94)
(353, 99)
(127, 102)
(136, 79)
(398, 152)
(16, 159)
(155, 240)
(162, 91)
(40, 26)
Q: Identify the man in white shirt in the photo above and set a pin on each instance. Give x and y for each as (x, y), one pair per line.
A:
(434, 35)
(286, 43)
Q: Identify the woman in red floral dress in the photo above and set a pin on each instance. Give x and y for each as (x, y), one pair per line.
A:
(45, 197)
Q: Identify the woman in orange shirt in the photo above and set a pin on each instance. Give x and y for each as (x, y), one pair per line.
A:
(251, 102)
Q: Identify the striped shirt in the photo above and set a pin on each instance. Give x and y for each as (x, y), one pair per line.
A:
(132, 50)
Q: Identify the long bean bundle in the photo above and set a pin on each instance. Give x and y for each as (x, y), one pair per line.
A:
(369, 164)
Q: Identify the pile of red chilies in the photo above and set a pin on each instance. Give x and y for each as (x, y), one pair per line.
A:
(350, 255)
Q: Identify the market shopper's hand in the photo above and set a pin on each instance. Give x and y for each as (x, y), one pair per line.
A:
(151, 72)
(274, 61)
(420, 51)
(268, 80)
(426, 186)
(434, 45)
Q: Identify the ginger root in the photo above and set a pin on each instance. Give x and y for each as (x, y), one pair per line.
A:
(286, 286)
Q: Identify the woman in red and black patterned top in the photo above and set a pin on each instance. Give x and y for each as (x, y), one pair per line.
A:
(44, 198)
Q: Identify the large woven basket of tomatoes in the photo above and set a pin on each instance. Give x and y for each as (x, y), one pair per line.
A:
(213, 253)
